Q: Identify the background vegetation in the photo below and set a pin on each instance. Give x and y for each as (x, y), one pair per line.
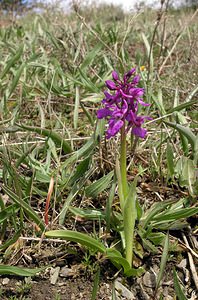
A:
(56, 166)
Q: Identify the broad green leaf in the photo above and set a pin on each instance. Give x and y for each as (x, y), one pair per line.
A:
(182, 106)
(87, 82)
(98, 186)
(156, 237)
(185, 170)
(91, 214)
(99, 131)
(77, 237)
(129, 217)
(193, 139)
(158, 99)
(175, 215)
(119, 261)
(24, 272)
(154, 210)
(191, 95)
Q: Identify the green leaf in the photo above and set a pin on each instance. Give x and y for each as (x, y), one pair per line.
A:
(109, 204)
(91, 56)
(16, 79)
(154, 210)
(185, 170)
(76, 107)
(98, 186)
(77, 237)
(57, 138)
(148, 50)
(96, 284)
(129, 217)
(29, 211)
(80, 171)
(74, 191)
(156, 237)
(178, 290)
(119, 261)
(11, 240)
(85, 150)
(25, 272)
(159, 102)
(163, 262)
(182, 106)
(170, 159)
(7, 212)
(12, 61)
(86, 112)
(193, 139)
(91, 214)
(175, 215)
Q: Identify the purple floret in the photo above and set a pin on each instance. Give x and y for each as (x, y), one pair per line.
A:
(121, 106)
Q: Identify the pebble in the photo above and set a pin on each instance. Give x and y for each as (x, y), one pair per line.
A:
(149, 280)
(54, 273)
(123, 291)
(5, 281)
(66, 272)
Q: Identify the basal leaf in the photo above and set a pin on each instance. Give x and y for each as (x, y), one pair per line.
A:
(24, 272)
(98, 186)
(77, 237)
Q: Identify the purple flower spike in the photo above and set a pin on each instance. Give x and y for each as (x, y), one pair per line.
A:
(111, 85)
(121, 105)
(115, 76)
(130, 73)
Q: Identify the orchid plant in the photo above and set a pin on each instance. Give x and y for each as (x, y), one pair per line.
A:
(121, 111)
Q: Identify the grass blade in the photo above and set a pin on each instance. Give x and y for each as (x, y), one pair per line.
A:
(76, 107)
(178, 290)
(163, 262)
(96, 285)
(29, 211)
(57, 138)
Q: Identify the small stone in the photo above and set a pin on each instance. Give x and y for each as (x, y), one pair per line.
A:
(5, 281)
(66, 272)
(149, 280)
(123, 291)
(182, 264)
(54, 275)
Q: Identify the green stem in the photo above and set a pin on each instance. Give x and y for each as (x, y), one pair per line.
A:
(123, 164)
(129, 216)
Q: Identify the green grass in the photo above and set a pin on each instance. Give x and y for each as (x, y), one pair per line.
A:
(52, 73)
